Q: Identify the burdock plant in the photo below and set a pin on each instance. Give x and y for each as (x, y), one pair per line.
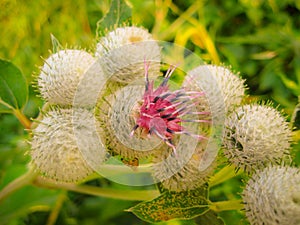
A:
(128, 113)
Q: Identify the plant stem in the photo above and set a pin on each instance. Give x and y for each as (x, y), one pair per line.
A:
(223, 175)
(18, 183)
(129, 195)
(55, 211)
(22, 118)
(110, 169)
(226, 205)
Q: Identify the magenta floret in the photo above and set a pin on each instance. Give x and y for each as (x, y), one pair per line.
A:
(162, 111)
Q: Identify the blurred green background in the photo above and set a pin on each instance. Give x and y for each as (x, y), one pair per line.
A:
(258, 38)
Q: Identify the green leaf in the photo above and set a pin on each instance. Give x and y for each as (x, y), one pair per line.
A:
(13, 87)
(119, 14)
(173, 205)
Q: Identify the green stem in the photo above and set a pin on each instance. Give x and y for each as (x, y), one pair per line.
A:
(223, 175)
(118, 170)
(18, 183)
(55, 211)
(17, 112)
(129, 195)
(110, 169)
(22, 118)
(226, 205)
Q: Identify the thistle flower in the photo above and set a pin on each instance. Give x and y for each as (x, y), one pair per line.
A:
(128, 117)
(61, 74)
(162, 111)
(122, 53)
(256, 135)
(220, 84)
(57, 144)
(182, 168)
(272, 196)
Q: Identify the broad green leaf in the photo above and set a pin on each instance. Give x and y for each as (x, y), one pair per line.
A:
(56, 46)
(13, 87)
(173, 205)
(119, 13)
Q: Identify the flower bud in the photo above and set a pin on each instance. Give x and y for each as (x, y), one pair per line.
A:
(61, 74)
(256, 135)
(219, 84)
(183, 171)
(272, 196)
(124, 50)
(59, 142)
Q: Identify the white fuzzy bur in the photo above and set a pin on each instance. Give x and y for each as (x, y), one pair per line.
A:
(59, 142)
(224, 89)
(182, 172)
(62, 73)
(122, 53)
(272, 196)
(256, 135)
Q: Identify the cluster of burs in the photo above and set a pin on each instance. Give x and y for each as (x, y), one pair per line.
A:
(89, 115)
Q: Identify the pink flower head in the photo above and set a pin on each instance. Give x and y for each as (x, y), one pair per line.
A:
(162, 111)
